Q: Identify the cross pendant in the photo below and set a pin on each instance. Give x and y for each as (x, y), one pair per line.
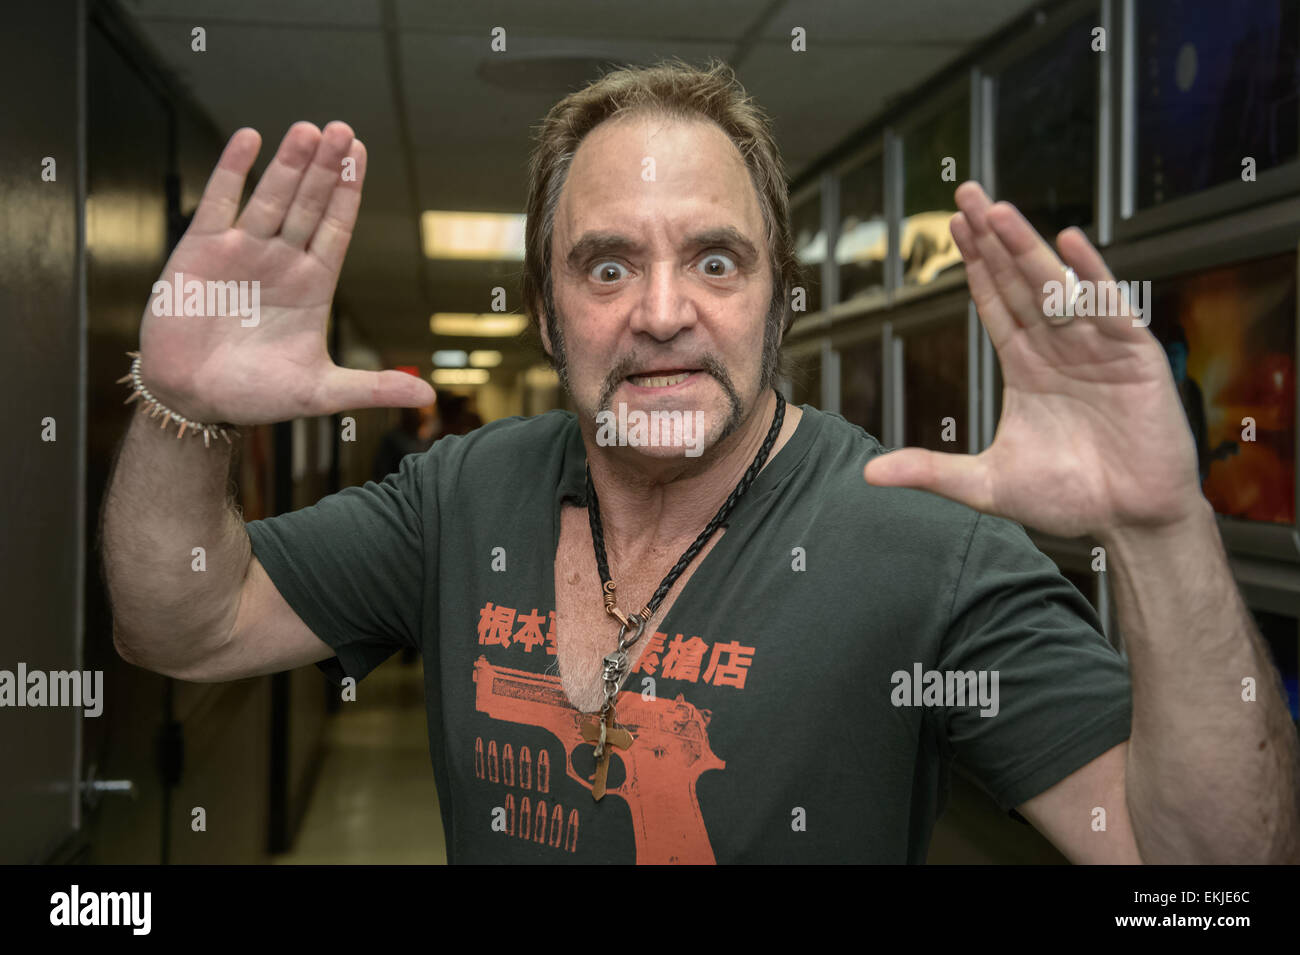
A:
(604, 735)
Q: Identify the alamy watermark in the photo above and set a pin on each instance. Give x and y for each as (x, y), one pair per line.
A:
(654, 429)
(129, 909)
(948, 688)
(209, 299)
(1107, 299)
(75, 688)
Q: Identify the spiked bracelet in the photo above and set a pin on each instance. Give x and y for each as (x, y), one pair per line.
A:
(157, 408)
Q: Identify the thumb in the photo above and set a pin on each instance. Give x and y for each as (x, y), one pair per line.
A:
(959, 477)
(348, 388)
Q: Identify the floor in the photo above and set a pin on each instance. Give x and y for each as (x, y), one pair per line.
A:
(375, 801)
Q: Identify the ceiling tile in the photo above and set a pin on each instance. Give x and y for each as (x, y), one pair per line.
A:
(680, 20)
(318, 12)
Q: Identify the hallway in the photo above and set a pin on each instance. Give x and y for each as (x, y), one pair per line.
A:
(374, 802)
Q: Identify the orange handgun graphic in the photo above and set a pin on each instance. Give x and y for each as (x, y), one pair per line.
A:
(669, 753)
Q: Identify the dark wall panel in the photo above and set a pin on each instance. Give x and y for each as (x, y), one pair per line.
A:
(128, 137)
(40, 484)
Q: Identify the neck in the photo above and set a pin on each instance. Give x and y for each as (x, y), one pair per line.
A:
(648, 504)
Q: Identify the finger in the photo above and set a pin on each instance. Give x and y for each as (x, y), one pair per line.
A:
(959, 477)
(348, 389)
(983, 290)
(266, 207)
(1037, 263)
(317, 185)
(220, 201)
(1129, 320)
(1022, 303)
(330, 243)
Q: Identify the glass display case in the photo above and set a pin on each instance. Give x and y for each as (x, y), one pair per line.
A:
(809, 245)
(926, 246)
(806, 378)
(1230, 336)
(935, 385)
(862, 385)
(863, 240)
(1214, 83)
(1045, 142)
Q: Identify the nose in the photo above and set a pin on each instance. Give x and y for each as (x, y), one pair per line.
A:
(665, 306)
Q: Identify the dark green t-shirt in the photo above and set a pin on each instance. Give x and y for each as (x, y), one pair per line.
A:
(771, 717)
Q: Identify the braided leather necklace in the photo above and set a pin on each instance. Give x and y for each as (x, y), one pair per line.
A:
(605, 731)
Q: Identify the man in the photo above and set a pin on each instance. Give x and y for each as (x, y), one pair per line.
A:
(779, 705)
(415, 430)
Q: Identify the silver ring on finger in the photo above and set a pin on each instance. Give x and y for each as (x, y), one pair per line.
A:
(1071, 296)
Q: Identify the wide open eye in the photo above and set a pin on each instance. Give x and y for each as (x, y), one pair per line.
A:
(717, 265)
(608, 271)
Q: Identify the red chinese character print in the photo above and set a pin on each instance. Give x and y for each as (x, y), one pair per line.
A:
(729, 665)
(683, 659)
(495, 625)
(530, 635)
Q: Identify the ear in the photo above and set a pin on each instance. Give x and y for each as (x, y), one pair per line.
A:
(543, 324)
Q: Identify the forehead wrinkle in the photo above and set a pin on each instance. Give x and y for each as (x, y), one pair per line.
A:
(596, 177)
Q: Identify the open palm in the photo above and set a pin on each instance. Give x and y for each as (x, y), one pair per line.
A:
(1092, 435)
(291, 239)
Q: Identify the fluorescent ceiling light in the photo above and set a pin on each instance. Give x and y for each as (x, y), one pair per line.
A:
(492, 236)
(449, 358)
(460, 376)
(484, 358)
(469, 325)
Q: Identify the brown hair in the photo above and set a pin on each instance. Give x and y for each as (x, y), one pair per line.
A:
(676, 89)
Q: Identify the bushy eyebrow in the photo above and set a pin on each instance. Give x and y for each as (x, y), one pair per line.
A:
(603, 243)
(591, 244)
(726, 237)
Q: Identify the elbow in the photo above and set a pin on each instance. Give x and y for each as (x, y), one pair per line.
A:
(130, 652)
(122, 646)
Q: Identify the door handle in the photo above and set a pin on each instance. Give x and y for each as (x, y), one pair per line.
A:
(93, 789)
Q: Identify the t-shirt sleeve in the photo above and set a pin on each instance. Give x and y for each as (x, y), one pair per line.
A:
(352, 566)
(1063, 692)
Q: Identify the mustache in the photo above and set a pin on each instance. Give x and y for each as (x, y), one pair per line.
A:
(628, 366)
(632, 365)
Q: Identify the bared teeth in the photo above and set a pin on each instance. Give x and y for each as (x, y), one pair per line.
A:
(659, 381)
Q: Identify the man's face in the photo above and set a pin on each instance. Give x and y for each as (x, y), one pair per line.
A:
(661, 276)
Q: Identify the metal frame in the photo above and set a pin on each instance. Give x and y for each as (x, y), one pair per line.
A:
(893, 153)
(894, 412)
(1104, 199)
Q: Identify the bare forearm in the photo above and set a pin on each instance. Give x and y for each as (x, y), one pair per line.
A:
(167, 497)
(1211, 774)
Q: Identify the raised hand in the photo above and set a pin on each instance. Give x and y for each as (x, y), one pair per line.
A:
(290, 239)
(1092, 437)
